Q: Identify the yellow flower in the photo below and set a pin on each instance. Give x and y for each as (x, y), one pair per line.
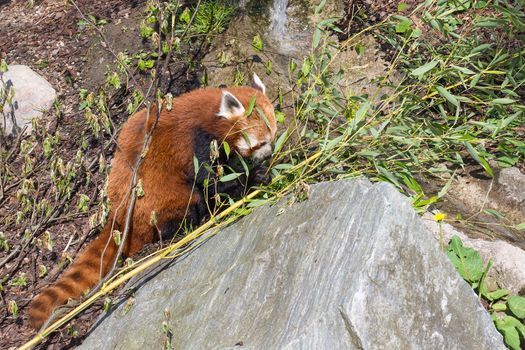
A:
(439, 217)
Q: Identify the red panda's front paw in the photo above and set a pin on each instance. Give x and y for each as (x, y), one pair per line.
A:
(260, 175)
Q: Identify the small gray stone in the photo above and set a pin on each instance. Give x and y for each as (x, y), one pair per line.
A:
(513, 183)
(352, 267)
(33, 95)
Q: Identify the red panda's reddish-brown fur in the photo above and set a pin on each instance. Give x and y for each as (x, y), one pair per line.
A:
(164, 175)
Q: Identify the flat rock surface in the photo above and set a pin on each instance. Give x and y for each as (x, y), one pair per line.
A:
(33, 95)
(350, 268)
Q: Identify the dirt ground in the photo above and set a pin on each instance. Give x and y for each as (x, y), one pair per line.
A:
(48, 37)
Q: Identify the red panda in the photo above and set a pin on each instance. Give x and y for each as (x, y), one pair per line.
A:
(172, 189)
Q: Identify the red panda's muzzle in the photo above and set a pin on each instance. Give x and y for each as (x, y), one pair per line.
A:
(262, 153)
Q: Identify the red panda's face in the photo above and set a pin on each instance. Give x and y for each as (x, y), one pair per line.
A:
(253, 134)
(257, 130)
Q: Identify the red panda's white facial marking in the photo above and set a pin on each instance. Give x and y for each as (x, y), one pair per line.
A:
(250, 146)
(245, 143)
(263, 152)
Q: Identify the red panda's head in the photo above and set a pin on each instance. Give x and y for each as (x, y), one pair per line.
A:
(251, 135)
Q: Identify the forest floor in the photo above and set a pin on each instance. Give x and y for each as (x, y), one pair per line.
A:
(50, 38)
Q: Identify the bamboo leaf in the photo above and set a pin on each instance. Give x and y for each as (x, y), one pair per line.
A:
(464, 70)
(478, 158)
(502, 101)
(362, 110)
(195, 165)
(320, 7)
(283, 166)
(317, 37)
(480, 48)
(388, 176)
(227, 149)
(445, 188)
(494, 213)
(229, 177)
(263, 116)
(256, 203)
(250, 106)
(447, 95)
(280, 142)
(332, 143)
(419, 72)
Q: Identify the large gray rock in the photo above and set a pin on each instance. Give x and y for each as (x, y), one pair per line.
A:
(350, 268)
(33, 95)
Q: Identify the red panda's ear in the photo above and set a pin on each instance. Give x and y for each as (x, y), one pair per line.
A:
(230, 106)
(258, 84)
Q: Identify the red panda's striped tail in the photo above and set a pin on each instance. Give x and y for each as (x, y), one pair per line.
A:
(82, 275)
